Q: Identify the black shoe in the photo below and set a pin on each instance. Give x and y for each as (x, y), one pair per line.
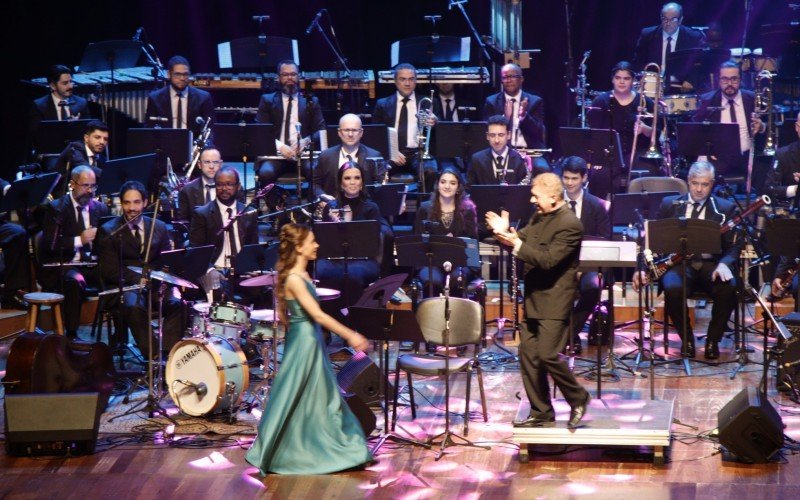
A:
(538, 421)
(576, 348)
(577, 413)
(712, 350)
(690, 350)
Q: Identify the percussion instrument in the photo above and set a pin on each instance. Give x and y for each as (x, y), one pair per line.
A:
(268, 279)
(261, 325)
(680, 104)
(206, 375)
(165, 277)
(328, 294)
(227, 320)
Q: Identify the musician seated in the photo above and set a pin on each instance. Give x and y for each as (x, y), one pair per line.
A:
(69, 229)
(783, 179)
(179, 105)
(16, 259)
(90, 151)
(714, 274)
(326, 174)
(60, 103)
(448, 213)
(498, 164)
(293, 115)
(593, 214)
(210, 226)
(400, 111)
(523, 110)
(786, 281)
(122, 242)
(201, 190)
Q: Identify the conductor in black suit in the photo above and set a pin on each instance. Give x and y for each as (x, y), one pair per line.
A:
(90, 151)
(69, 229)
(350, 150)
(593, 214)
(655, 42)
(549, 246)
(711, 273)
(498, 164)
(179, 105)
(128, 247)
(292, 114)
(59, 104)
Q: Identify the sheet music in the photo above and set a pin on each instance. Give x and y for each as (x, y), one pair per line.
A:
(394, 151)
(323, 140)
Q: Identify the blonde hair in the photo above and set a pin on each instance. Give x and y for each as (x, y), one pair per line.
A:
(291, 237)
(551, 183)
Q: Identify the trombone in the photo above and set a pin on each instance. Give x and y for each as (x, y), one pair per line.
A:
(650, 85)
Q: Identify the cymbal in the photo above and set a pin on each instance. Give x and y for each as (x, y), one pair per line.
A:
(165, 277)
(268, 279)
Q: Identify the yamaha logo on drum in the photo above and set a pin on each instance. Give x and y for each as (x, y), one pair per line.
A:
(188, 356)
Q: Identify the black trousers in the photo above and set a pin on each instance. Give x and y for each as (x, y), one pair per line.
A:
(589, 289)
(134, 311)
(541, 341)
(14, 242)
(430, 168)
(73, 284)
(271, 170)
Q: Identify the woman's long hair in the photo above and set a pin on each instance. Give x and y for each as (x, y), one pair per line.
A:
(340, 197)
(461, 202)
(291, 237)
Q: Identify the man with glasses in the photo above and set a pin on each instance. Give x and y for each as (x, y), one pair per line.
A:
(523, 110)
(201, 190)
(69, 228)
(289, 110)
(90, 151)
(351, 149)
(655, 42)
(179, 105)
(731, 104)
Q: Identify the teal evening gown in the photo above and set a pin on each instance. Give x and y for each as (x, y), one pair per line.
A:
(306, 427)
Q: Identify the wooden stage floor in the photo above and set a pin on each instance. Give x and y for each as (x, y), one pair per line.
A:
(141, 464)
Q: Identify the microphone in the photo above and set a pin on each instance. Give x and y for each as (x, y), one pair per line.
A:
(447, 267)
(679, 203)
(314, 22)
(199, 120)
(201, 389)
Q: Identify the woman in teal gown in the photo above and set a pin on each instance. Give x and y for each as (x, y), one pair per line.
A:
(306, 427)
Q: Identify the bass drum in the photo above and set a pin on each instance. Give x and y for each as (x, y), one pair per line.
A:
(207, 375)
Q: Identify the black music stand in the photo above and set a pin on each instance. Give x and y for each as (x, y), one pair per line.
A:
(28, 192)
(379, 294)
(257, 257)
(601, 149)
(458, 139)
(252, 53)
(625, 206)
(388, 197)
(428, 250)
(695, 66)
(684, 237)
(420, 52)
(707, 138)
(188, 263)
(245, 141)
(110, 55)
(132, 168)
(52, 136)
(374, 136)
(387, 325)
(169, 144)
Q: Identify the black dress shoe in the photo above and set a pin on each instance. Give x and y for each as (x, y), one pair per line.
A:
(712, 350)
(577, 413)
(538, 421)
(576, 348)
(690, 350)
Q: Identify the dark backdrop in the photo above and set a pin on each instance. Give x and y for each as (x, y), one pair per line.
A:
(36, 35)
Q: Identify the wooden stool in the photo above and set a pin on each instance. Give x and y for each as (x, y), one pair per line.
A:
(36, 299)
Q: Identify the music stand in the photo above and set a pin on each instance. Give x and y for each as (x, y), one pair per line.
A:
(252, 53)
(379, 294)
(387, 325)
(599, 147)
(708, 139)
(458, 139)
(257, 257)
(133, 168)
(110, 55)
(374, 136)
(173, 144)
(52, 136)
(388, 197)
(420, 52)
(244, 141)
(188, 263)
(428, 250)
(625, 206)
(695, 66)
(29, 192)
(684, 237)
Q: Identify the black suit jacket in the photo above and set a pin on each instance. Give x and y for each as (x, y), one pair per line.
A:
(438, 109)
(713, 99)
(718, 210)
(200, 105)
(531, 126)
(207, 222)
(328, 166)
(270, 110)
(481, 168)
(72, 156)
(650, 44)
(550, 250)
(782, 176)
(190, 197)
(594, 217)
(108, 249)
(60, 227)
(43, 108)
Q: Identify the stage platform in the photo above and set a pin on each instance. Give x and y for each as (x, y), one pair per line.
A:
(608, 422)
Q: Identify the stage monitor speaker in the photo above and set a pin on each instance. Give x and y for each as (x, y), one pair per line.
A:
(51, 424)
(365, 416)
(750, 428)
(362, 377)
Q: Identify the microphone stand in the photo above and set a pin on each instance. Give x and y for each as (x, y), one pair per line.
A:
(483, 54)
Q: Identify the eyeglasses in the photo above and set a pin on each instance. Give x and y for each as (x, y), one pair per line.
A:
(351, 130)
(227, 184)
(181, 75)
(88, 187)
(670, 20)
(510, 77)
(733, 79)
(212, 162)
(287, 75)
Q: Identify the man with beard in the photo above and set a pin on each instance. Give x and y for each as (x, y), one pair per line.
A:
(69, 230)
(122, 242)
(731, 104)
(179, 105)
(288, 110)
(207, 226)
(60, 104)
(90, 151)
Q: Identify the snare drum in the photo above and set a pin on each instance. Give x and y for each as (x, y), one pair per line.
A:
(205, 375)
(261, 325)
(680, 104)
(230, 313)
(203, 323)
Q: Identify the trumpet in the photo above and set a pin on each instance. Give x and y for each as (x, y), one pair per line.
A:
(424, 114)
(763, 106)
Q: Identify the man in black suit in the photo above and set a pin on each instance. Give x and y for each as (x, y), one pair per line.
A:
(201, 190)
(179, 105)
(783, 178)
(122, 242)
(288, 111)
(498, 164)
(549, 246)
(731, 104)
(91, 151)
(69, 229)
(655, 42)
(206, 228)
(16, 260)
(60, 104)
(593, 214)
(712, 273)
(351, 149)
(399, 111)
(523, 110)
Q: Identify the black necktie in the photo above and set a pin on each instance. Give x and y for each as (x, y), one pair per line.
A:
(696, 210)
(138, 237)
(350, 158)
(81, 222)
(179, 114)
(208, 192)
(499, 162)
(64, 107)
(287, 138)
(669, 46)
(448, 111)
(572, 204)
(402, 125)
(232, 239)
(732, 108)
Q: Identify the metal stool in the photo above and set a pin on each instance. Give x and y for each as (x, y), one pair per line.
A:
(36, 299)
